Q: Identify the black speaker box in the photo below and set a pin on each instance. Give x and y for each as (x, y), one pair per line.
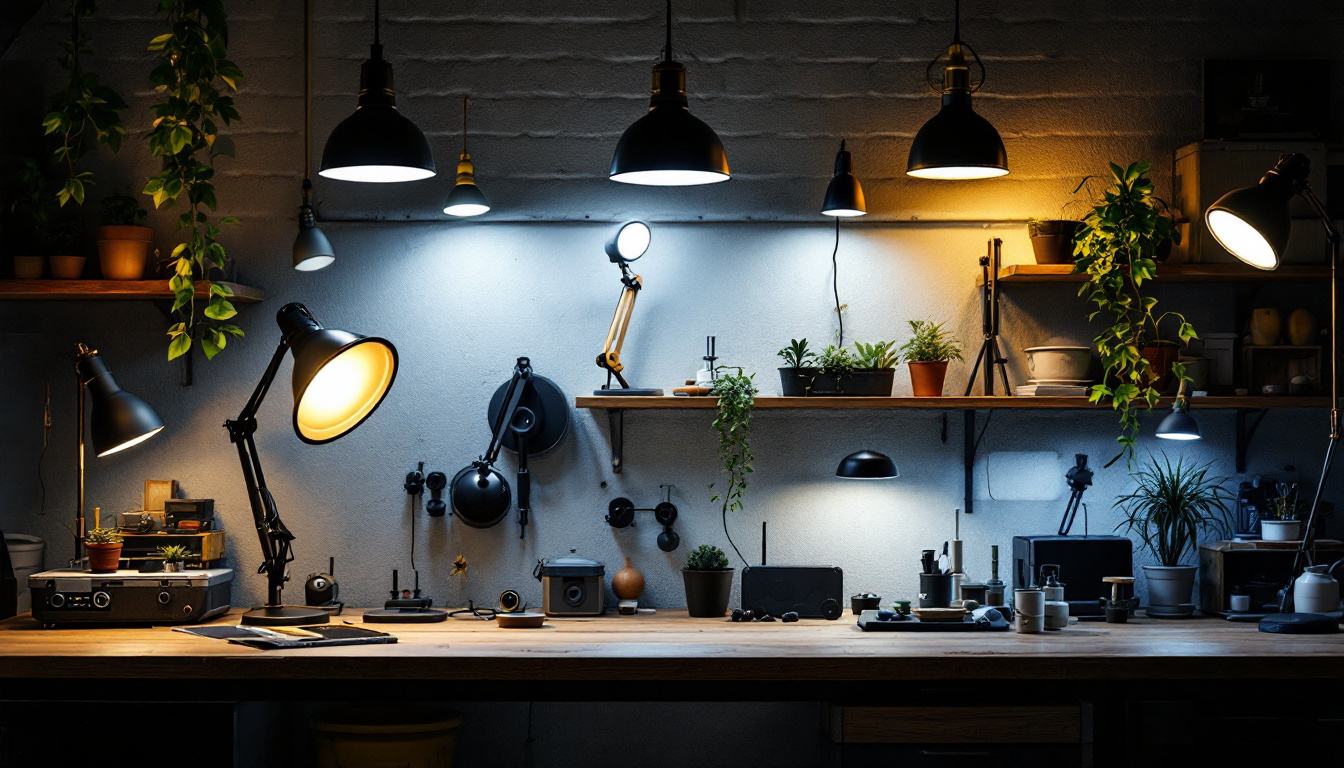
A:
(813, 592)
(1083, 561)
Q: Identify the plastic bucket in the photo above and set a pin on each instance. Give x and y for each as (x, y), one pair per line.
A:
(25, 552)
(383, 737)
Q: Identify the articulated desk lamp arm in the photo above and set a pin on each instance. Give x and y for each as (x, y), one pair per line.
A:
(610, 359)
(521, 420)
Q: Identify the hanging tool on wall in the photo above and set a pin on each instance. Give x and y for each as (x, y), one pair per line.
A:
(1079, 478)
(621, 514)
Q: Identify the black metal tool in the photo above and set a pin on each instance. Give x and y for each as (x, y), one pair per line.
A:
(621, 514)
(1079, 478)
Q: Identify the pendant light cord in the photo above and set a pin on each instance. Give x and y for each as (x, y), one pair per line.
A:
(377, 39)
(835, 283)
(667, 52)
(466, 102)
(956, 21)
(307, 93)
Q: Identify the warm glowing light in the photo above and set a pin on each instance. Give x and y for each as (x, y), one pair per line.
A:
(844, 213)
(958, 173)
(633, 240)
(379, 174)
(132, 442)
(466, 209)
(314, 263)
(1242, 240)
(670, 178)
(344, 391)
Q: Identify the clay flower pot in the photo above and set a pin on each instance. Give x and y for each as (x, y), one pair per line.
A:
(67, 267)
(103, 558)
(1052, 241)
(28, 267)
(123, 251)
(1160, 358)
(927, 377)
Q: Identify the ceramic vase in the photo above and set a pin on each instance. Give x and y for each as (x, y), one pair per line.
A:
(1266, 326)
(1302, 328)
(627, 583)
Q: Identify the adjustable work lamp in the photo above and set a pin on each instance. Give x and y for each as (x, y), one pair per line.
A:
(119, 420)
(1253, 224)
(339, 379)
(627, 243)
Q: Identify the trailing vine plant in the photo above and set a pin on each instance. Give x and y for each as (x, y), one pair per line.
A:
(193, 79)
(83, 115)
(1116, 247)
(737, 396)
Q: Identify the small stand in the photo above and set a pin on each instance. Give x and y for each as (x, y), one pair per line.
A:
(990, 356)
(406, 607)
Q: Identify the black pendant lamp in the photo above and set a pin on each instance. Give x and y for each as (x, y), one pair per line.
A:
(312, 250)
(956, 143)
(377, 143)
(669, 147)
(844, 195)
(465, 199)
(867, 465)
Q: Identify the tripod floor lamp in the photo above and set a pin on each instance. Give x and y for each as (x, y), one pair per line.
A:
(1253, 224)
(339, 379)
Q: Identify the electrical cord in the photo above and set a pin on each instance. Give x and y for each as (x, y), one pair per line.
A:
(835, 283)
(46, 440)
(730, 537)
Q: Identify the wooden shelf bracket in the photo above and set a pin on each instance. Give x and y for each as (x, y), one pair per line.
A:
(616, 426)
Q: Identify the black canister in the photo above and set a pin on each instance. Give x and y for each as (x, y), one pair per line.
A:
(935, 590)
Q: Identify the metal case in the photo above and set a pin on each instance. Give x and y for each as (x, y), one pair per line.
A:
(572, 586)
(130, 597)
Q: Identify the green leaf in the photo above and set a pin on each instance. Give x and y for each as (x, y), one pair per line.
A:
(213, 343)
(179, 346)
(219, 309)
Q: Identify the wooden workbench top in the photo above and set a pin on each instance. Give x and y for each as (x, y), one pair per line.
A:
(670, 646)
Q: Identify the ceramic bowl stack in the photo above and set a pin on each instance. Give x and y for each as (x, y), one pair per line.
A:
(1059, 366)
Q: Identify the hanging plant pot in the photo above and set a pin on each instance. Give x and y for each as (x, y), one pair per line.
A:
(1052, 240)
(927, 377)
(103, 558)
(796, 382)
(123, 251)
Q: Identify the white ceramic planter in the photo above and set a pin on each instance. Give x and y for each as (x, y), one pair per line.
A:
(1170, 586)
(1280, 530)
(1058, 363)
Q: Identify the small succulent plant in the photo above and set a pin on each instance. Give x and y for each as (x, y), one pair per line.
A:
(707, 557)
(102, 536)
(174, 553)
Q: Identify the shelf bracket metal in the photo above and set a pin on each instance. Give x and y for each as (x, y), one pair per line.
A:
(616, 424)
(1245, 433)
(968, 458)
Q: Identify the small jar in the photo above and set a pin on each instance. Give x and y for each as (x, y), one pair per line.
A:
(994, 592)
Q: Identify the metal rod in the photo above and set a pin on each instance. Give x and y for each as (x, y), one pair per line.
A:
(667, 52)
(307, 90)
(79, 504)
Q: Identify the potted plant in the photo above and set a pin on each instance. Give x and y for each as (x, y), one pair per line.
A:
(927, 354)
(795, 378)
(1117, 249)
(174, 557)
(104, 548)
(1284, 519)
(709, 581)
(1052, 239)
(62, 236)
(736, 393)
(835, 366)
(874, 371)
(30, 213)
(1168, 510)
(123, 238)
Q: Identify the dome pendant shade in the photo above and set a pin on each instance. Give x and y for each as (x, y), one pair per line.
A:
(465, 198)
(867, 465)
(669, 147)
(1179, 425)
(312, 249)
(339, 377)
(118, 419)
(844, 195)
(1253, 223)
(377, 143)
(957, 144)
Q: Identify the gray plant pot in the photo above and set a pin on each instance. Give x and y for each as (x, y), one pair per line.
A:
(1170, 586)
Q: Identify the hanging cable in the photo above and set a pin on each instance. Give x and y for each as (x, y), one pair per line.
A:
(377, 39)
(835, 283)
(667, 52)
(466, 102)
(730, 537)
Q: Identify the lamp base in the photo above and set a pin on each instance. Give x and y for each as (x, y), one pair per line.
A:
(284, 616)
(1300, 624)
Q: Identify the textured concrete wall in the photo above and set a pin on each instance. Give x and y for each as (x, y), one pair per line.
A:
(1070, 87)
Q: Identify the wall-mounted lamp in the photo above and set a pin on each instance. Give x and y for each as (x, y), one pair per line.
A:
(377, 143)
(466, 199)
(957, 143)
(867, 465)
(669, 147)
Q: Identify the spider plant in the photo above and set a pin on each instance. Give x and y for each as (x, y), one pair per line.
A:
(1172, 504)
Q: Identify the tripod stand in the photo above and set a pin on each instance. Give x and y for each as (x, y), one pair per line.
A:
(989, 355)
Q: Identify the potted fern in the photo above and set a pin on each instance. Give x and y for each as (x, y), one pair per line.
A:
(104, 549)
(799, 369)
(709, 582)
(1172, 505)
(926, 354)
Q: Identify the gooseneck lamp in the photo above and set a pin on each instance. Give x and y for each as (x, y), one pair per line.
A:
(312, 250)
(377, 143)
(465, 199)
(867, 465)
(627, 243)
(669, 147)
(1179, 424)
(117, 419)
(339, 379)
(844, 195)
(1253, 224)
(957, 143)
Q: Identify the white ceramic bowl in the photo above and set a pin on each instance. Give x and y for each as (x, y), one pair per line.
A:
(1046, 363)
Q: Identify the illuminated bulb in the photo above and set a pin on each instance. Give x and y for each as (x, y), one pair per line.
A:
(1241, 239)
(344, 391)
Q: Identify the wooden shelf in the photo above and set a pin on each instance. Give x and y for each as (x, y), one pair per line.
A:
(1174, 273)
(112, 290)
(932, 403)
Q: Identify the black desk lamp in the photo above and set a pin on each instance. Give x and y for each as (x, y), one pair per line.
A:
(339, 378)
(118, 419)
(1253, 224)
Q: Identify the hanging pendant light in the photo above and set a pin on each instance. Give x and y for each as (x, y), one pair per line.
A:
(312, 250)
(669, 147)
(377, 143)
(466, 199)
(844, 195)
(957, 143)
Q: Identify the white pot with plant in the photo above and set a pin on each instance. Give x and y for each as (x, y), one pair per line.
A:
(174, 557)
(927, 354)
(1284, 521)
(1172, 505)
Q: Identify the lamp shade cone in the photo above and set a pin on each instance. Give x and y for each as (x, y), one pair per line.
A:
(377, 143)
(339, 377)
(1253, 223)
(844, 195)
(867, 465)
(465, 198)
(1178, 426)
(117, 418)
(957, 143)
(312, 249)
(669, 147)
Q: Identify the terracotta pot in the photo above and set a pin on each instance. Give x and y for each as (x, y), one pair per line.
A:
(67, 267)
(1161, 357)
(627, 583)
(28, 267)
(123, 251)
(927, 377)
(1302, 328)
(707, 592)
(103, 558)
(1052, 241)
(1266, 326)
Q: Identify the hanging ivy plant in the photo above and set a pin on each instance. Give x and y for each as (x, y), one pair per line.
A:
(193, 79)
(737, 396)
(83, 115)
(1117, 248)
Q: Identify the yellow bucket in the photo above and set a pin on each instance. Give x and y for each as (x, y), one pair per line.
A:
(385, 737)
